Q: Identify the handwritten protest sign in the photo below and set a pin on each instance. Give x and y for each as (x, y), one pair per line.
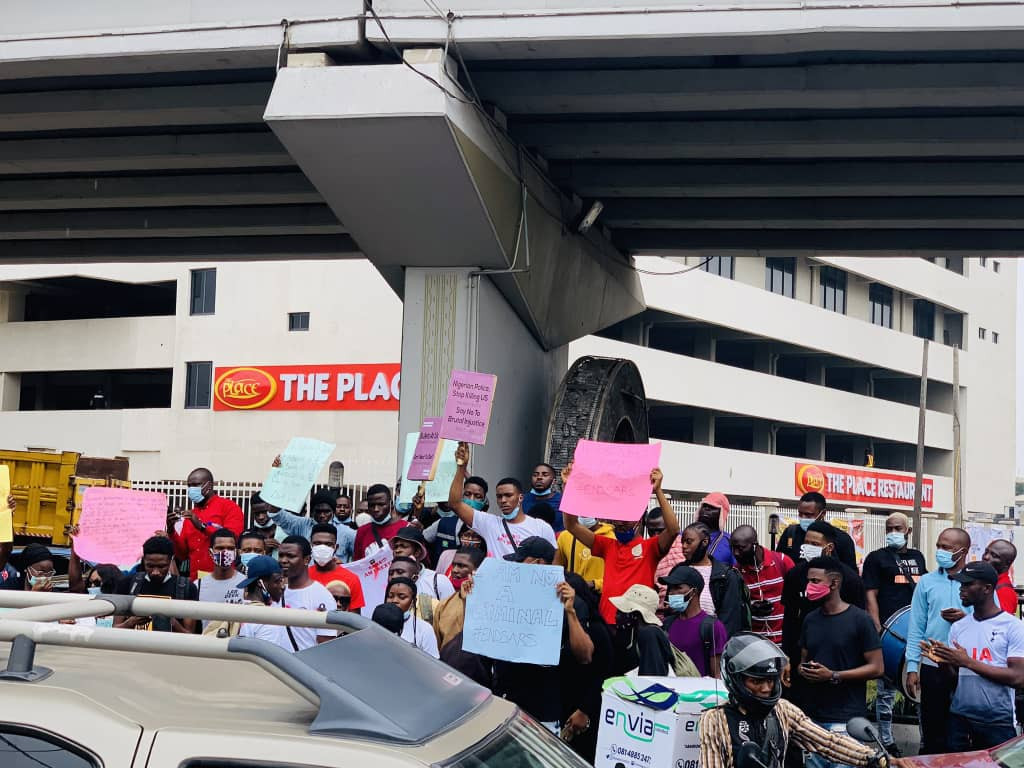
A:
(116, 521)
(425, 455)
(288, 485)
(372, 572)
(467, 411)
(6, 516)
(513, 612)
(610, 481)
(436, 489)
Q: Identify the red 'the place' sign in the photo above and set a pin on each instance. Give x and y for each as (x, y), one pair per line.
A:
(362, 387)
(865, 486)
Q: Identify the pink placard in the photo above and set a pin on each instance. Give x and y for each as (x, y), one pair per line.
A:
(467, 411)
(424, 455)
(116, 521)
(610, 481)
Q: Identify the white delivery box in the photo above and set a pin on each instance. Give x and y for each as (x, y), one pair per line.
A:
(651, 722)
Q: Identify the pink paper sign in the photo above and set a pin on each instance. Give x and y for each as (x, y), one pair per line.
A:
(424, 455)
(467, 411)
(116, 521)
(610, 481)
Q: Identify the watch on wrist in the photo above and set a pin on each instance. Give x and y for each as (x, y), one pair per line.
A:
(835, 678)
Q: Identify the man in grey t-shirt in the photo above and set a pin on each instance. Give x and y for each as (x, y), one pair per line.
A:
(221, 586)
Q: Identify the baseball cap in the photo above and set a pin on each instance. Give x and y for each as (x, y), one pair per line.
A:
(977, 571)
(258, 568)
(639, 598)
(683, 574)
(534, 546)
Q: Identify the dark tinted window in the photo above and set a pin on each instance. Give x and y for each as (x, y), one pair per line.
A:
(298, 321)
(198, 384)
(719, 265)
(880, 302)
(778, 275)
(924, 319)
(833, 289)
(22, 749)
(204, 291)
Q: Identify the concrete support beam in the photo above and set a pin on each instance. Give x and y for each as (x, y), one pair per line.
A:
(815, 213)
(285, 188)
(777, 139)
(170, 222)
(829, 86)
(1008, 243)
(180, 249)
(230, 104)
(836, 178)
(168, 152)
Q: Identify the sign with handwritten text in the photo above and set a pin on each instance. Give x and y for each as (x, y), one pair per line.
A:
(425, 455)
(514, 614)
(610, 481)
(116, 521)
(467, 411)
(287, 486)
(372, 572)
(436, 489)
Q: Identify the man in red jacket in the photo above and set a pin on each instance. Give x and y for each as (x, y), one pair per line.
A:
(210, 513)
(1000, 554)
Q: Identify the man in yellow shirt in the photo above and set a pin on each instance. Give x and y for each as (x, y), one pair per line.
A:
(577, 558)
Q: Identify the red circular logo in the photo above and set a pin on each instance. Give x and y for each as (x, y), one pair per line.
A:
(810, 479)
(245, 388)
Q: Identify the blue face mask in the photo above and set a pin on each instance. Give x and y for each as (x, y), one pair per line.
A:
(678, 603)
(404, 507)
(444, 512)
(94, 590)
(805, 522)
(477, 504)
(895, 540)
(511, 515)
(588, 522)
(625, 537)
(535, 492)
(247, 557)
(195, 494)
(945, 560)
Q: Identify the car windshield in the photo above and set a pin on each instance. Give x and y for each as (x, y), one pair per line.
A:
(522, 744)
(1011, 754)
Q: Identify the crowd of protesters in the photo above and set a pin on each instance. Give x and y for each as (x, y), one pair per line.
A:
(639, 596)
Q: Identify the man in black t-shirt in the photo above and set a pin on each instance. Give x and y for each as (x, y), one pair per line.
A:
(154, 579)
(839, 652)
(890, 575)
(810, 510)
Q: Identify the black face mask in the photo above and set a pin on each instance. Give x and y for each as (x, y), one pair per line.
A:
(698, 554)
(626, 621)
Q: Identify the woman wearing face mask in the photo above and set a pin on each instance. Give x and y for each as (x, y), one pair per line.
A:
(402, 592)
(628, 559)
(467, 538)
(38, 567)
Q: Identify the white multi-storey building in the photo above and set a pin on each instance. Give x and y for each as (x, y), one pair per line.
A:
(125, 360)
(754, 366)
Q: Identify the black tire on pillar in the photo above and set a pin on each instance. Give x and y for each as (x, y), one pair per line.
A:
(600, 398)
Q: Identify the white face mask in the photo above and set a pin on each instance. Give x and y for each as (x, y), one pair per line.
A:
(323, 554)
(809, 552)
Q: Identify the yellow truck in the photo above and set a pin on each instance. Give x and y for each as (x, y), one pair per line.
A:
(47, 488)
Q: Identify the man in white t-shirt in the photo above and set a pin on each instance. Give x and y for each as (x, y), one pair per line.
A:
(302, 592)
(510, 527)
(264, 585)
(987, 646)
(221, 586)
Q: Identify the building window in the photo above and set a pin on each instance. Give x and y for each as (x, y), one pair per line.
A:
(21, 749)
(981, 333)
(778, 275)
(298, 321)
(198, 384)
(982, 261)
(204, 291)
(995, 266)
(995, 337)
(719, 265)
(833, 289)
(924, 319)
(880, 304)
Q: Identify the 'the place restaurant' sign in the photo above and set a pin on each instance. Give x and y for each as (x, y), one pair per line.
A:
(355, 387)
(863, 486)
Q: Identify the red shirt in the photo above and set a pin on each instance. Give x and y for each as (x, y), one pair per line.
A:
(765, 583)
(216, 512)
(365, 536)
(355, 586)
(624, 566)
(1006, 595)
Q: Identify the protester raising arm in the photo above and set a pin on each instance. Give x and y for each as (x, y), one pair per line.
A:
(583, 535)
(668, 536)
(455, 502)
(580, 644)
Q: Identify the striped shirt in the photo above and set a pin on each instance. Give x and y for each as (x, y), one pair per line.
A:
(765, 583)
(716, 744)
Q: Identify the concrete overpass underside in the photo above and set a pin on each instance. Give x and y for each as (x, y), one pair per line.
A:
(459, 150)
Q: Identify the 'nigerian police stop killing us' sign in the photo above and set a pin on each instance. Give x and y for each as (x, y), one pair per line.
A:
(513, 612)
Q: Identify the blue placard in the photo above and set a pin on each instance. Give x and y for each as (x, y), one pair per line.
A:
(513, 612)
